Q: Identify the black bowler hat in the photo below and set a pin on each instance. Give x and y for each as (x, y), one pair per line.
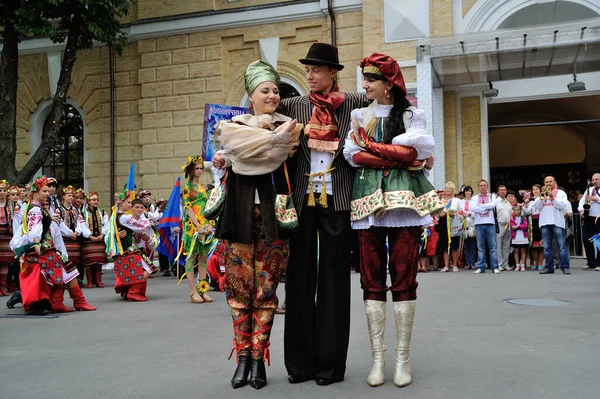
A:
(323, 54)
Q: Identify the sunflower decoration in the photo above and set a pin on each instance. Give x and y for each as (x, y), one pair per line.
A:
(186, 191)
(191, 161)
(202, 286)
(188, 204)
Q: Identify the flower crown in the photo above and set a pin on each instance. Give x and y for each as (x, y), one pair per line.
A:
(80, 191)
(68, 189)
(4, 183)
(192, 161)
(93, 194)
(39, 182)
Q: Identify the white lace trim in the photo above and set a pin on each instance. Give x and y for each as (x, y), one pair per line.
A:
(394, 218)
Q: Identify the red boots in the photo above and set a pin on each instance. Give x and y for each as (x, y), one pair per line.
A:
(3, 285)
(57, 301)
(136, 292)
(89, 274)
(79, 302)
(98, 275)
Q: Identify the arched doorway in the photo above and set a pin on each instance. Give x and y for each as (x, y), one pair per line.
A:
(66, 160)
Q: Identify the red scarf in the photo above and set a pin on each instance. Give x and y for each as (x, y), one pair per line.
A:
(322, 129)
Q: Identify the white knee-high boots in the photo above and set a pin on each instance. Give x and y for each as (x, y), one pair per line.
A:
(404, 315)
(375, 311)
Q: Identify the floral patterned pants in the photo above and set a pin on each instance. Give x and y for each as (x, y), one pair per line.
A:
(252, 275)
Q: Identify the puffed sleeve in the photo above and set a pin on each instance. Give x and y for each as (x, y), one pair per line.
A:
(137, 226)
(416, 136)
(105, 223)
(350, 147)
(81, 225)
(59, 243)
(34, 224)
(83, 228)
(64, 229)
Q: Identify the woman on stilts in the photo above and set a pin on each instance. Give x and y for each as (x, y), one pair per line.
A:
(391, 202)
(254, 172)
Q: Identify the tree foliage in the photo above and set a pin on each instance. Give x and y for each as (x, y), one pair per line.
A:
(80, 24)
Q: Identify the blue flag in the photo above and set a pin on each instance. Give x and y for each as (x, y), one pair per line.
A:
(131, 181)
(169, 243)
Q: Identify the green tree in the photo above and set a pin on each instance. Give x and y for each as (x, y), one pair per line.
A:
(79, 23)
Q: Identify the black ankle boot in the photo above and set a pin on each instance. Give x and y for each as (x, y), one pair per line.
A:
(14, 299)
(258, 378)
(240, 376)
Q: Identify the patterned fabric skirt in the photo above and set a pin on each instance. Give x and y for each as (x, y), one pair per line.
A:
(6, 254)
(73, 249)
(129, 269)
(536, 241)
(54, 268)
(93, 252)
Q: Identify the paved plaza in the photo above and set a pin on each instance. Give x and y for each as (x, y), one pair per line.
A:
(467, 343)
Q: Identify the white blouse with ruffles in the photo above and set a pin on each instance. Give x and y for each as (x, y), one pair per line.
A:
(418, 139)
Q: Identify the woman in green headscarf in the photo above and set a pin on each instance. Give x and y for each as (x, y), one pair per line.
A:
(254, 170)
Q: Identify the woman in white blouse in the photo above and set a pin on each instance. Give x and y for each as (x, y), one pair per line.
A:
(391, 202)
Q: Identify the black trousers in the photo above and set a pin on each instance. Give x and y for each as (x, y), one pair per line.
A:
(590, 228)
(317, 316)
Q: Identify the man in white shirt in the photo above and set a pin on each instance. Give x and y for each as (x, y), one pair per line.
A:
(503, 238)
(591, 198)
(552, 223)
(482, 207)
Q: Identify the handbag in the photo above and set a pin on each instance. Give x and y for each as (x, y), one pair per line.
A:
(285, 211)
(216, 200)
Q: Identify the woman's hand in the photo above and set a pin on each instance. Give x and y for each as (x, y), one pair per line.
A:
(515, 227)
(145, 237)
(38, 248)
(73, 236)
(218, 161)
(122, 233)
(429, 163)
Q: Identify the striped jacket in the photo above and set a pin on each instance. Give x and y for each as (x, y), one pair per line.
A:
(342, 176)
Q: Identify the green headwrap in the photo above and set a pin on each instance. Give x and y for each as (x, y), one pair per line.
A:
(259, 72)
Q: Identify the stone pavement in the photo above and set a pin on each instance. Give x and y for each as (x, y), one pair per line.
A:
(467, 343)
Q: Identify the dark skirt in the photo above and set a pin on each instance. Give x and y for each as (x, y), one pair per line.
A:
(93, 252)
(7, 256)
(73, 249)
(537, 233)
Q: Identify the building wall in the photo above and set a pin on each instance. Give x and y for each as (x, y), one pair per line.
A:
(164, 8)
(450, 137)
(470, 115)
(33, 87)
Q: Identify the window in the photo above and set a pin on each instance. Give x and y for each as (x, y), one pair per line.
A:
(65, 162)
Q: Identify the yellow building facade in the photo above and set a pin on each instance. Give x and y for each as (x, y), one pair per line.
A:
(184, 54)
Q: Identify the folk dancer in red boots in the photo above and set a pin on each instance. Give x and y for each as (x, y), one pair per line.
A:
(93, 248)
(45, 270)
(132, 266)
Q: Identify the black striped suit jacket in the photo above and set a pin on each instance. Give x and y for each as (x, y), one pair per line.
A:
(342, 176)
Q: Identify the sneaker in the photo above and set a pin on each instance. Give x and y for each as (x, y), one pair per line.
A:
(444, 270)
(455, 269)
(510, 269)
(497, 271)
(597, 269)
(500, 268)
(586, 267)
(479, 271)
